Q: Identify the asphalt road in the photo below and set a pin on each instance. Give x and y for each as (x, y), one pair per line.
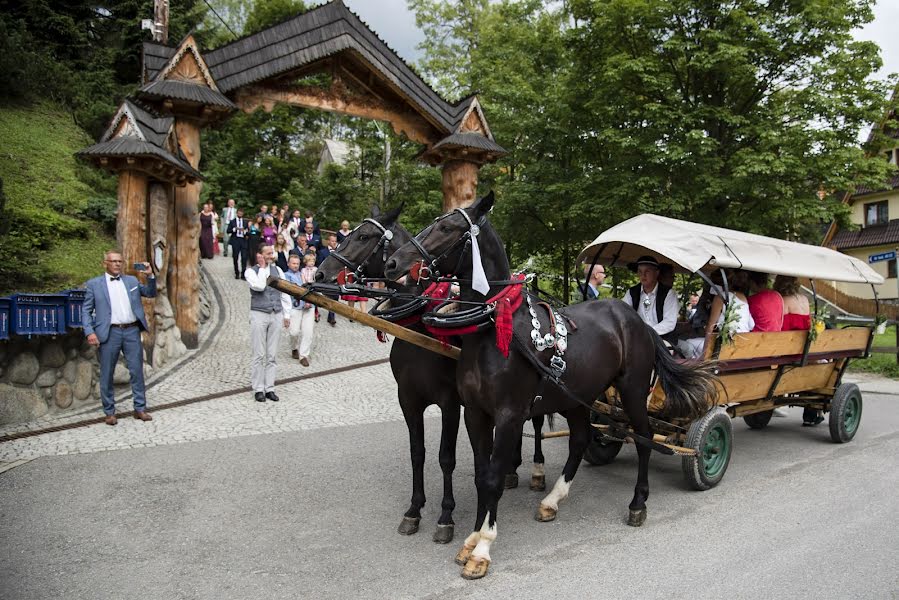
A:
(313, 515)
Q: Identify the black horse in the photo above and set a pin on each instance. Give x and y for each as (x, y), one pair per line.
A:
(611, 346)
(423, 378)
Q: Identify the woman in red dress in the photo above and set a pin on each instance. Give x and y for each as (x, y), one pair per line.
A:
(796, 308)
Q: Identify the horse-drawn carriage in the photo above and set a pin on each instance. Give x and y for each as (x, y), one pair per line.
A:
(520, 357)
(757, 372)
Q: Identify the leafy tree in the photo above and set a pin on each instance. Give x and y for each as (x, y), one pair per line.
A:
(265, 14)
(733, 114)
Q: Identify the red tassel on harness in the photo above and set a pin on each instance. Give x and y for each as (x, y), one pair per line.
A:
(504, 325)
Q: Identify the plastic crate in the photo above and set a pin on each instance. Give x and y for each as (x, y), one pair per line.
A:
(74, 304)
(4, 318)
(38, 314)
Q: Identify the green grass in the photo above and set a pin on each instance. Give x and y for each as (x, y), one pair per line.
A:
(881, 364)
(50, 245)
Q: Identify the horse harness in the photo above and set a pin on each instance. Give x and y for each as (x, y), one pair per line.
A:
(427, 267)
(353, 272)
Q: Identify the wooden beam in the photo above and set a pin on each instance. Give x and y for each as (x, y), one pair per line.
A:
(413, 337)
(406, 123)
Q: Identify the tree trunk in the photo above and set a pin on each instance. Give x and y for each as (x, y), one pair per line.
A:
(460, 184)
(184, 266)
(131, 233)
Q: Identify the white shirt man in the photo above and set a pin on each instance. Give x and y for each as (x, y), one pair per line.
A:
(643, 297)
(269, 310)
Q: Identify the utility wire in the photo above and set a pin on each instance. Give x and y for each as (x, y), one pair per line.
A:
(206, 2)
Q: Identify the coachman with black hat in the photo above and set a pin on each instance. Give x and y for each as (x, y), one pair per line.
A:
(655, 302)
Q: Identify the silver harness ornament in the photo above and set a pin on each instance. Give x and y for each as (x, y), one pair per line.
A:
(559, 341)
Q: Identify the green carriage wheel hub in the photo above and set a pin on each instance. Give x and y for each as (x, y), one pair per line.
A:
(851, 415)
(716, 451)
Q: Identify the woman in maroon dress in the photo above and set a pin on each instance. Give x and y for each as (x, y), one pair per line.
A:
(206, 241)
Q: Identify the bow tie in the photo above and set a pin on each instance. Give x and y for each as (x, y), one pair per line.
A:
(115, 277)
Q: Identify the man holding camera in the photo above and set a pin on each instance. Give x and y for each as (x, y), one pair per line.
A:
(113, 320)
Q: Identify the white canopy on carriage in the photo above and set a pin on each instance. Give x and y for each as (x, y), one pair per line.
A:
(694, 247)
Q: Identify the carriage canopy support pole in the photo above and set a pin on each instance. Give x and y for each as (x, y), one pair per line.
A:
(413, 337)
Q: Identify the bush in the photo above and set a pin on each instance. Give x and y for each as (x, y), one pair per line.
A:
(102, 211)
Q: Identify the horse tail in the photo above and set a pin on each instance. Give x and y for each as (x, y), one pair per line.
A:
(689, 387)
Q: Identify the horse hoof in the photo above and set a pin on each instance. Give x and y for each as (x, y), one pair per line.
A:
(538, 483)
(463, 555)
(546, 513)
(409, 525)
(475, 568)
(444, 533)
(635, 518)
(511, 481)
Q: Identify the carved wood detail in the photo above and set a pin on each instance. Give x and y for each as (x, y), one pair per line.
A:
(460, 184)
(184, 260)
(338, 99)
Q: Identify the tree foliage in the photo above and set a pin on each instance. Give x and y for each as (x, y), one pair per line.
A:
(734, 114)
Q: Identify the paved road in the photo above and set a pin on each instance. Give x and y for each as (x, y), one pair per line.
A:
(234, 499)
(312, 514)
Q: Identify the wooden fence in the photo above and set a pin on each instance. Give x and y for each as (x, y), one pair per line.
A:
(853, 304)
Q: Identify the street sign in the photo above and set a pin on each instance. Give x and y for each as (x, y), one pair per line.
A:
(882, 256)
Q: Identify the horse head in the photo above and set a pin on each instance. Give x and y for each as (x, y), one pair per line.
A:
(364, 250)
(446, 247)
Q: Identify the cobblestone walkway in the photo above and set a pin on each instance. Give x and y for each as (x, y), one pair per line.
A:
(221, 364)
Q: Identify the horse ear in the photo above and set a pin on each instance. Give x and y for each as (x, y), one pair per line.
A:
(392, 215)
(482, 207)
(375, 211)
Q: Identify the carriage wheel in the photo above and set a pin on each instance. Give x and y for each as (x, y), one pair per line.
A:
(712, 437)
(601, 450)
(845, 413)
(758, 420)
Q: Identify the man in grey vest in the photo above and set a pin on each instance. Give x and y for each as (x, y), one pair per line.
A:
(269, 312)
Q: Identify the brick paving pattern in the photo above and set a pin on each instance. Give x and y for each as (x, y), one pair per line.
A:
(220, 364)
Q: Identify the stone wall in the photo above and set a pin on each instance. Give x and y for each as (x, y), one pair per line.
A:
(44, 375)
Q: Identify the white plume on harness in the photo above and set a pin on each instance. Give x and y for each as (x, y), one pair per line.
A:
(478, 278)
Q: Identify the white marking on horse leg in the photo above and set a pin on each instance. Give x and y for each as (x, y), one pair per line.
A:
(487, 537)
(538, 470)
(558, 493)
(473, 538)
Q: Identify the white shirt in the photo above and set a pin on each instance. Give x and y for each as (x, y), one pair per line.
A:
(647, 310)
(119, 302)
(259, 281)
(230, 213)
(744, 323)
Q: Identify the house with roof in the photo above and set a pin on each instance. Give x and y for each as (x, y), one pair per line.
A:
(875, 212)
(335, 152)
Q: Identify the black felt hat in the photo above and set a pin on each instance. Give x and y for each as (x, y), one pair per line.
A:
(643, 260)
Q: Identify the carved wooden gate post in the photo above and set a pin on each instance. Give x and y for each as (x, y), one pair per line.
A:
(184, 264)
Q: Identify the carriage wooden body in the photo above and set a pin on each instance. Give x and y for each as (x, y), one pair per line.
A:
(757, 372)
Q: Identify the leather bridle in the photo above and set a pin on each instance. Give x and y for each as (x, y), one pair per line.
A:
(427, 267)
(352, 271)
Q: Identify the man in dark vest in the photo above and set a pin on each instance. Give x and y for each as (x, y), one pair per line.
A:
(269, 312)
(655, 302)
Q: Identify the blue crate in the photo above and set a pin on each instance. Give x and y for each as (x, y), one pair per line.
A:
(74, 304)
(38, 314)
(4, 318)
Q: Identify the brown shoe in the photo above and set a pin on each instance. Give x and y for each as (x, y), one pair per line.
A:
(142, 416)
(304, 361)
(295, 353)
(111, 420)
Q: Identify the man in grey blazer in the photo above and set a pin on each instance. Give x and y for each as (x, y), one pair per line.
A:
(113, 320)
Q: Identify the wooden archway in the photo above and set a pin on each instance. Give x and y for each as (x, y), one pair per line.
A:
(154, 142)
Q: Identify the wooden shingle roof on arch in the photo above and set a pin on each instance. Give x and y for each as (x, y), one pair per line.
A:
(138, 138)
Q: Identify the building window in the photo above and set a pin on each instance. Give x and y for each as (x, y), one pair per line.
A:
(891, 269)
(876, 213)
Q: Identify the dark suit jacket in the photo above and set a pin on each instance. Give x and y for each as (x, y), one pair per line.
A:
(321, 255)
(316, 240)
(591, 295)
(97, 308)
(232, 231)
